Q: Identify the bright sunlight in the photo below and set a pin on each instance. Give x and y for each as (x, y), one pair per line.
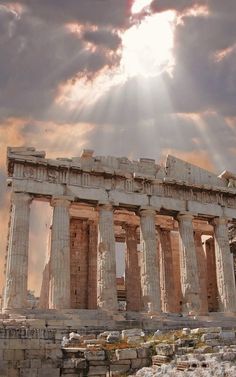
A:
(148, 45)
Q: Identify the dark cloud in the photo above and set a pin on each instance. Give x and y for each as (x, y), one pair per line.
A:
(96, 12)
(36, 57)
(180, 5)
(102, 37)
(203, 81)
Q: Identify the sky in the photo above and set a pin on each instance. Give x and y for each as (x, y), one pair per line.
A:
(135, 78)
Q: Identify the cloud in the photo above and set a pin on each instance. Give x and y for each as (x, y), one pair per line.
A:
(180, 5)
(38, 56)
(95, 12)
(103, 37)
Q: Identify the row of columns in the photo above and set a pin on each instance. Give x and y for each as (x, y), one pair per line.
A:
(192, 291)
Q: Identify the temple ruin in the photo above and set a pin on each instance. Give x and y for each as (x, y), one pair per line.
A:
(173, 219)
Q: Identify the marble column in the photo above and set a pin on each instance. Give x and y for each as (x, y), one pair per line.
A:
(188, 266)
(202, 270)
(106, 265)
(211, 275)
(224, 267)
(168, 293)
(132, 269)
(60, 255)
(92, 265)
(15, 293)
(150, 278)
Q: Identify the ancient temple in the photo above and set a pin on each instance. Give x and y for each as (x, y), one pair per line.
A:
(173, 219)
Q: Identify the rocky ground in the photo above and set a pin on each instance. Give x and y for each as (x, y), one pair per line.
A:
(198, 352)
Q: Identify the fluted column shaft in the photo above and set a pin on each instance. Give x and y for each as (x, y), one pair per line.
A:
(211, 275)
(150, 278)
(15, 294)
(188, 266)
(106, 267)
(202, 270)
(224, 267)
(60, 255)
(168, 293)
(92, 265)
(132, 269)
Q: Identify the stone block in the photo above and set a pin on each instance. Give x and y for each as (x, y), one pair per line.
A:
(49, 372)
(4, 344)
(12, 372)
(143, 352)
(212, 342)
(8, 355)
(28, 372)
(19, 354)
(53, 353)
(140, 363)
(94, 355)
(208, 336)
(36, 363)
(229, 356)
(99, 362)
(35, 354)
(134, 339)
(121, 368)
(25, 364)
(131, 333)
(124, 354)
(164, 349)
(227, 335)
(94, 341)
(77, 363)
(97, 370)
(3, 367)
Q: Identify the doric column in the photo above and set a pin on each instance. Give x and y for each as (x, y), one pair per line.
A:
(224, 267)
(92, 265)
(106, 268)
(211, 275)
(168, 293)
(176, 268)
(132, 269)
(15, 294)
(60, 255)
(150, 279)
(188, 266)
(202, 270)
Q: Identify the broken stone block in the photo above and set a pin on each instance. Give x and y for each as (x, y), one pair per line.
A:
(164, 349)
(94, 355)
(128, 353)
(132, 333)
(208, 336)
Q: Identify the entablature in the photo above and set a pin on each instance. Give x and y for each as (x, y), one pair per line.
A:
(122, 182)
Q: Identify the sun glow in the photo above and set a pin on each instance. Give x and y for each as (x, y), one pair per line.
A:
(148, 45)
(139, 5)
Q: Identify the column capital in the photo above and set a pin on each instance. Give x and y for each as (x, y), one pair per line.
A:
(105, 206)
(21, 197)
(219, 221)
(147, 211)
(185, 216)
(61, 201)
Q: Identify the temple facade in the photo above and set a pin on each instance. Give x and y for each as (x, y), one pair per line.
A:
(173, 219)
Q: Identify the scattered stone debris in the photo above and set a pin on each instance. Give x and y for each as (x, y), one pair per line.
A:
(176, 353)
